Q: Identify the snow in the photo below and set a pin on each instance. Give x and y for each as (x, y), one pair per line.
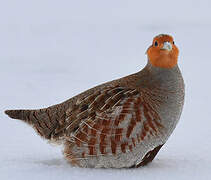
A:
(52, 50)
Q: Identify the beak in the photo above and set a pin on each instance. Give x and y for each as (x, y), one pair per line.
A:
(167, 46)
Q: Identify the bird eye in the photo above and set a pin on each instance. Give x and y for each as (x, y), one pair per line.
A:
(173, 42)
(156, 43)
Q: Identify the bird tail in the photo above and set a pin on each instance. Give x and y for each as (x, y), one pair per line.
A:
(19, 114)
(44, 121)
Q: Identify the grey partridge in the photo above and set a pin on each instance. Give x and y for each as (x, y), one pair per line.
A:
(122, 123)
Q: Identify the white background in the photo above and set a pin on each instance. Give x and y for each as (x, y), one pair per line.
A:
(52, 50)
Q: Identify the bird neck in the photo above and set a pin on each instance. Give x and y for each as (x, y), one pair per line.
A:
(156, 77)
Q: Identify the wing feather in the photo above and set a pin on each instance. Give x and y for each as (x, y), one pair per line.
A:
(111, 121)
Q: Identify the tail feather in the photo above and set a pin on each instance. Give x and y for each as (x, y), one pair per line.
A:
(44, 121)
(18, 114)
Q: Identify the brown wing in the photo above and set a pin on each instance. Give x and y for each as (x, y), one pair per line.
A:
(88, 107)
(112, 121)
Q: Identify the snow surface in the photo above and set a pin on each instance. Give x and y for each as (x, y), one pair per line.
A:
(52, 50)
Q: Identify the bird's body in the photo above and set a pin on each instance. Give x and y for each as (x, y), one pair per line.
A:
(122, 123)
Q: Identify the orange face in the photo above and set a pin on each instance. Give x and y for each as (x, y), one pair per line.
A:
(163, 52)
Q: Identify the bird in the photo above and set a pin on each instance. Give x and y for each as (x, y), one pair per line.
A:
(122, 123)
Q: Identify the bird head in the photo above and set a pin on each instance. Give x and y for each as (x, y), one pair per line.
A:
(163, 52)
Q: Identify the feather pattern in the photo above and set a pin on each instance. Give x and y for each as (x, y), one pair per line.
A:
(108, 122)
